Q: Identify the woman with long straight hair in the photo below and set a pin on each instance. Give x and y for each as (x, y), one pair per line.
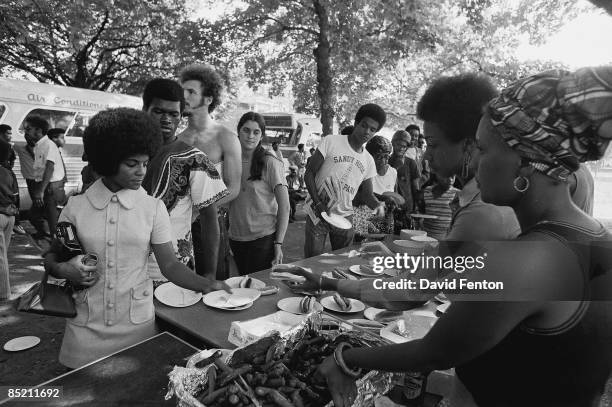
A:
(260, 214)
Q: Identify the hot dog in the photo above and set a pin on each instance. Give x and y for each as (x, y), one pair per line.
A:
(307, 304)
(246, 282)
(343, 303)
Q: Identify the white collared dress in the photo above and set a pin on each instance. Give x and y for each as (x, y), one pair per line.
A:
(118, 311)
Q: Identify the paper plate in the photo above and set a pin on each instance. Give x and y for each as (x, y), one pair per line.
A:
(175, 296)
(292, 305)
(394, 272)
(336, 220)
(241, 298)
(234, 282)
(375, 314)
(330, 304)
(364, 271)
(21, 343)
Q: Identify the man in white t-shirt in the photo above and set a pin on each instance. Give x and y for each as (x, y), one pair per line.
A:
(49, 175)
(333, 175)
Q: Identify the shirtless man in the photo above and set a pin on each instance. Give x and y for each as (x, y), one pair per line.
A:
(202, 86)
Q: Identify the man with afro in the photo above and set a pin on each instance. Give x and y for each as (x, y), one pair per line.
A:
(202, 87)
(336, 170)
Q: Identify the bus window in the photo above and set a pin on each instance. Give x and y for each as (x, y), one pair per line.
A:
(2, 110)
(80, 122)
(56, 118)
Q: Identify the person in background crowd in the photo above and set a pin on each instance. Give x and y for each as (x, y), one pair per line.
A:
(299, 160)
(6, 133)
(384, 186)
(202, 87)
(183, 178)
(554, 348)
(311, 151)
(88, 175)
(26, 163)
(437, 195)
(9, 191)
(347, 131)
(56, 135)
(294, 195)
(260, 214)
(49, 193)
(340, 165)
(120, 223)
(407, 174)
(278, 153)
(415, 152)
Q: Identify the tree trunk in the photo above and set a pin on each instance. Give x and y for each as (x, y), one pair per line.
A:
(324, 75)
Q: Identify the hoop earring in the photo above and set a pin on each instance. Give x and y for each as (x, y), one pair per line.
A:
(524, 188)
(465, 168)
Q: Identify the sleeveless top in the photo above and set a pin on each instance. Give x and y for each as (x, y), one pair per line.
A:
(563, 366)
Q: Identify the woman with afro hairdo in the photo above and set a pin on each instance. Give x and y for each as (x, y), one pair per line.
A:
(120, 223)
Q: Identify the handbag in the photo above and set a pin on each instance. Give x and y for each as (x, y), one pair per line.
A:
(53, 299)
(47, 298)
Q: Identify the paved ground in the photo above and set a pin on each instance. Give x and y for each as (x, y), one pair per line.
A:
(40, 364)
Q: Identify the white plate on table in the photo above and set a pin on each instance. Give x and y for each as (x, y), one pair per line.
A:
(234, 282)
(394, 272)
(336, 220)
(241, 298)
(363, 270)
(174, 296)
(292, 305)
(372, 314)
(21, 343)
(330, 304)
(414, 326)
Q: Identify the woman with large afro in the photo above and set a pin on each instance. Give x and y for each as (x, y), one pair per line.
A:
(116, 220)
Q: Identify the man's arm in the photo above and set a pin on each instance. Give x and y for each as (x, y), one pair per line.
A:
(42, 186)
(232, 164)
(210, 239)
(309, 179)
(367, 194)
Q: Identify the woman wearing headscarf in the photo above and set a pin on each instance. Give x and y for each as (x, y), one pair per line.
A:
(384, 187)
(546, 342)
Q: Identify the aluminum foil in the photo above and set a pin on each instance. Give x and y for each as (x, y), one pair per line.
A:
(186, 382)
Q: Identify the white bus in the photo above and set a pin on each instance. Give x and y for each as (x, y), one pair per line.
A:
(63, 107)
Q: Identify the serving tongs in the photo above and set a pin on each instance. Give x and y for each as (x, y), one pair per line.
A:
(361, 329)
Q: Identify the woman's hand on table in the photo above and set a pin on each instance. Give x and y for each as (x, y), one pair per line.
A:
(77, 273)
(313, 279)
(342, 387)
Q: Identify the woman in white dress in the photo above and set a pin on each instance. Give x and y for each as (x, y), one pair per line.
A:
(120, 223)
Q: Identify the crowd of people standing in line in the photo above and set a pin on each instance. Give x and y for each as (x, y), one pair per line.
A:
(492, 166)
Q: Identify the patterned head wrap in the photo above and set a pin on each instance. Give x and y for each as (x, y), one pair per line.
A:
(554, 119)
